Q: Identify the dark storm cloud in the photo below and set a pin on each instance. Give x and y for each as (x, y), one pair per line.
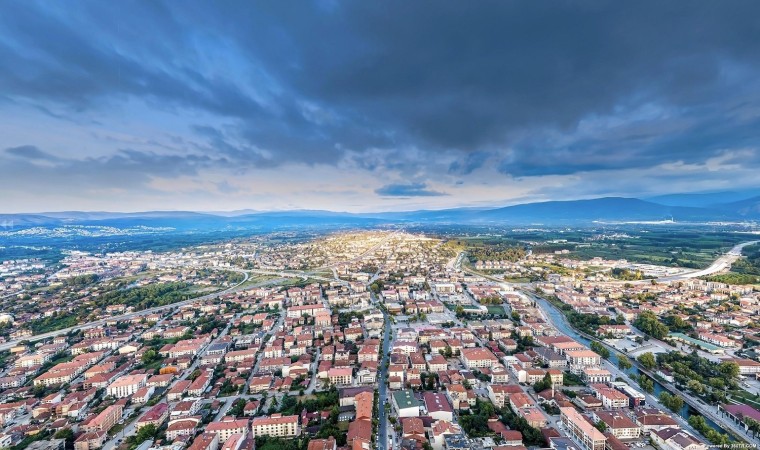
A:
(127, 168)
(407, 190)
(512, 83)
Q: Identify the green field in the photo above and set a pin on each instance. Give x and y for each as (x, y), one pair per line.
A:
(496, 310)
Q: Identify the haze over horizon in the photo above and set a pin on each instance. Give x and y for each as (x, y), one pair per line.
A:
(364, 107)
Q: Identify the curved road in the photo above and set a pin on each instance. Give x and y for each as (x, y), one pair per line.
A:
(722, 263)
(10, 344)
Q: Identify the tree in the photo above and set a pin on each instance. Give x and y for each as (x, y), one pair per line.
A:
(753, 426)
(601, 426)
(544, 384)
(646, 383)
(695, 386)
(66, 434)
(624, 363)
(149, 356)
(600, 349)
(647, 360)
(672, 402)
(430, 384)
(729, 369)
(650, 324)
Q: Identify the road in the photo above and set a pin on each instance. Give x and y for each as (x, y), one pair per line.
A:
(382, 389)
(706, 410)
(722, 263)
(12, 294)
(145, 312)
(128, 316)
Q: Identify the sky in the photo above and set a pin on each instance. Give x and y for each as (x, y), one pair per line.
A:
(372, 106)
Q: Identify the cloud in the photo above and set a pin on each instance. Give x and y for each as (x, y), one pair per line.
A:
(407, 190)
(29, 152)
(469, 163)
(446, 90)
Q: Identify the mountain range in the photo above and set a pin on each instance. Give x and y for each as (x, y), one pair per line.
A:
(679, 208)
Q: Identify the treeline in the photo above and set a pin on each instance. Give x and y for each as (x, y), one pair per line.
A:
(80, 280)
(496, 253)
(750, 265)
(145, 297)
(139, 297)
(626, 274)
(699, 375)
(475, 424)
(700, 424)
(650, 324)
(734, 278)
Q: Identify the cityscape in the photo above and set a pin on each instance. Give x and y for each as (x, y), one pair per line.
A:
(342, 225)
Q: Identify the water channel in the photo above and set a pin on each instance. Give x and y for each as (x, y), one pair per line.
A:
(557, 318)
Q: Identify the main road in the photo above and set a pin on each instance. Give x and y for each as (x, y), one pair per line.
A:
(722, 263)
(382, 391)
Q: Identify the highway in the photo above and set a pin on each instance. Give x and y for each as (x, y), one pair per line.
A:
(722, 263)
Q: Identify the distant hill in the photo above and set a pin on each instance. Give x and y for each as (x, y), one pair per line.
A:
(600, 209)
(607, 209)
(748, 208)
(704, 200)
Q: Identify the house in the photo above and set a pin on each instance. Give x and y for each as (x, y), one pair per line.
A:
(499, 393)
(596, 376)
(206, 441)
(581, 431)
(652, 419)
(227, 427)
(90, 440)
(323, 444)
(340, 376)
(676, 439)
(105, 420)
(439, 430)
(142, 395)
(156, 415)
(618, 424)
(276, 425)
(413, 428)
(612, 398)
(186, 408)
(478, 357)
(580, 359)
(406, 404)
(438, 406)
(184, 426)
(126, 385)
